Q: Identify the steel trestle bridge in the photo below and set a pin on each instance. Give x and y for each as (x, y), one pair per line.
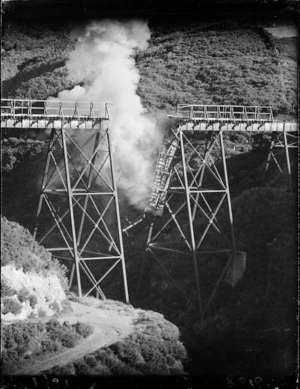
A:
(79, 197)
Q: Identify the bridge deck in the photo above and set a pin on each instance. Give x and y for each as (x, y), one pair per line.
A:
(49, 113)
(230, 118)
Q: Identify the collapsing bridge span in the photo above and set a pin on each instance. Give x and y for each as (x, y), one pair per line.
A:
(78, 214)
(214, 119)
(192, 185)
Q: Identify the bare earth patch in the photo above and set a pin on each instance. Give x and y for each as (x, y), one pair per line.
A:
(284, 31)
(109, 327)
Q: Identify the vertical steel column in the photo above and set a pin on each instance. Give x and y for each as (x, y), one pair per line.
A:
(90, 177)
(144, 256)
(287, 156)
(268, 159)
(44, 182)
(207, 151)
(191, 225)
(69, 190)
(227, 192)
(118, 219)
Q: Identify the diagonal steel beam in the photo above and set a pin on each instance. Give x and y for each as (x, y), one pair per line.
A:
(97, 171)
(96, 283)
(95, 224)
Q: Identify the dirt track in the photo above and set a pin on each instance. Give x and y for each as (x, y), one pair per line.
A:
(109, 326)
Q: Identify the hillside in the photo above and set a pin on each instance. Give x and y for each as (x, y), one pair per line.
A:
(222, 63)
(250, 330)
(226, 63)
(45, 329)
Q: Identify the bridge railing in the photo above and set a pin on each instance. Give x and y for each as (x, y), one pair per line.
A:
(224, 112)
(52, 109)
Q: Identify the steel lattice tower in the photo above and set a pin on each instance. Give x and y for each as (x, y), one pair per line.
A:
(78, 218)
(191, 185)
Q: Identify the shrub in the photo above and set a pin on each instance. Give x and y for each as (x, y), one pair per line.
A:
(66, 306)
(7, 338)
(133, 354)
(65, 370)
(41, 312)
(32, 329)
(6, 289)
(69, 340)
(105, 356)
(81, 368)
(55, 307)
(32, 315)
(23, 294)
(47, 345)
(11, 306)
(32, 300)
(9, 361)
(18, 336)
(52, 324)
(83, 329)
(90, 360)
(41, 326)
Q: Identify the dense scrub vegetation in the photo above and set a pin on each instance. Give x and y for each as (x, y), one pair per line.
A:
(32, 284)
(152, 349)
(18, 248)
(222, 63)
(19, 150)
(33, 59)
(227, 63)
(23, 160)
(24, 343)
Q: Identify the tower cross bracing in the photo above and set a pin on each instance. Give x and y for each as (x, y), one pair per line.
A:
(78, 217)
(191, 192)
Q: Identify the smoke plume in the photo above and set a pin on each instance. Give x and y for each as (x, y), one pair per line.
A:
(103, 63)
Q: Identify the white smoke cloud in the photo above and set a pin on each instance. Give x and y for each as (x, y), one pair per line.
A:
(103, 62)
